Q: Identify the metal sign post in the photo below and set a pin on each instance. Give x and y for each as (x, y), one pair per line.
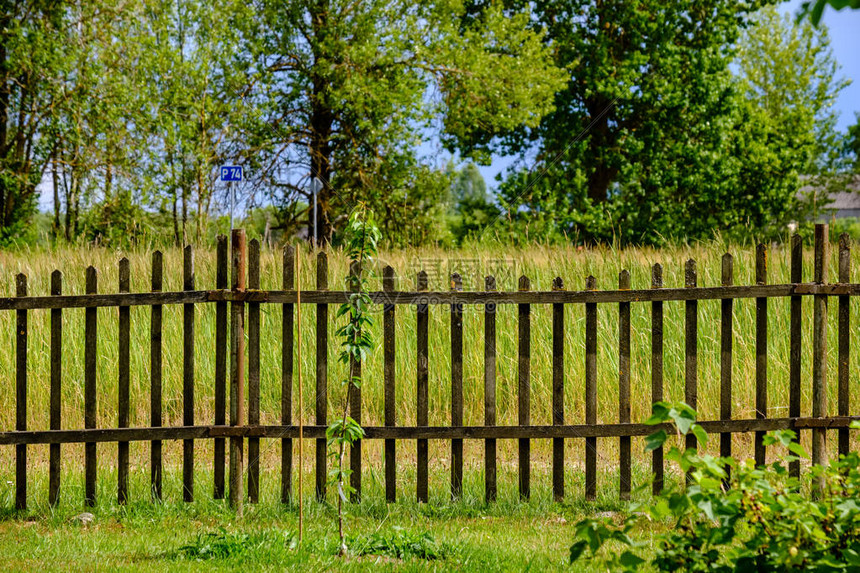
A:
(230, 174)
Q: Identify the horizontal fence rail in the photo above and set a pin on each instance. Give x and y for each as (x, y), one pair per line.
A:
(234, 403)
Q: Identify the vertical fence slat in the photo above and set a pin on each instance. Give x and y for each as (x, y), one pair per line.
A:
(590, 391)
(844, 396)
(422, 393)
(90, 356)
(657, 371)
(490, 488)
(524, 390)
(287, 348)
(389, 385)
(795, 341)
(726, 316)
(456, 388)
(56, 389)
(558, 393)
(354, 391)
(254, 372)
(21, 395)
(124, 382)
(760, 353)
(819, 350)
(624, 386)
(155, 355)
(222, 282)
(691, 344)
(322, 375)
(188, 376)
(237, 366)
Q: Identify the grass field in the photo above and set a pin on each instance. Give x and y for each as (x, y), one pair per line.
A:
(524, 534)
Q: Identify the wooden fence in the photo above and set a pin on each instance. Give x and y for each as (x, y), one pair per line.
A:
(230, 425)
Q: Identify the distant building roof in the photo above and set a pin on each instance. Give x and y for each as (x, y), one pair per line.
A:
(841, 203)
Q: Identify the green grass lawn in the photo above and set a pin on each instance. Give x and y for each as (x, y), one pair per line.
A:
(467, 535)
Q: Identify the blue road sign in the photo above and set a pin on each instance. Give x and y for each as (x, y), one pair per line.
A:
(231, 173)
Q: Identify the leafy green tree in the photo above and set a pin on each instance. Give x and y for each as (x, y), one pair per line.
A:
(353, 87)
(32, 56)
(655, 138)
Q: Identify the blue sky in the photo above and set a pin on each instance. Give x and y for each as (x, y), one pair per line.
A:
(844, 27)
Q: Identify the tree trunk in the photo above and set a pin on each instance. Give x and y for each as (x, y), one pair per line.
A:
(321, 122)
(55, 180)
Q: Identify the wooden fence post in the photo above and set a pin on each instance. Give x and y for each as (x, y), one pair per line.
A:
(726, 317)
(795, 341)
(237, 367)
(90, 365)
(21, 396)
(389, 385)
(155, 362)
(524, 390)
(691, 352)
(760, 353)
(287, 349)
(254, 373)
(354, 393)
(456, 388)
(188, 376)
(222, 282)
(490, 487)
(124, 381)
(422, 392)
(558, 393)
(624, 474)
(590, 391)
(657, 370)
(844, 341)
(819, 351)
(56, 388)
(322, 375)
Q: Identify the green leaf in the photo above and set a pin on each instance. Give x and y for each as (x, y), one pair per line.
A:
(655, 440)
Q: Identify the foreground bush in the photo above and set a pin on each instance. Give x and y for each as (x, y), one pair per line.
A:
(762, 521)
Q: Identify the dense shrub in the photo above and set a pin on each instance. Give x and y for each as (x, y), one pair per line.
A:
(764, 520)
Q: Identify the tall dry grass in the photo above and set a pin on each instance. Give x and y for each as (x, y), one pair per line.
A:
(540, 263)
